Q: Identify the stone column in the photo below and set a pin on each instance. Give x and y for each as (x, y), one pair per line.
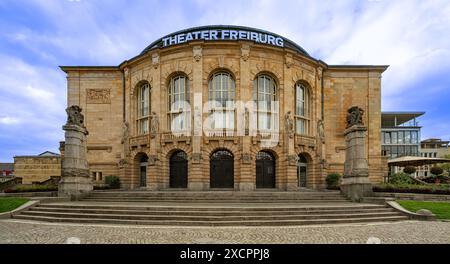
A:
(75, 179)
(196, 179)
(356, 184)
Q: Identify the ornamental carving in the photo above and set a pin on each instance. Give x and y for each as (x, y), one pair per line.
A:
(155, 60)
(98, 96)
(152, 160)
(197, 50)
(321, 131)
(354, 116)
(125, 132)
(245, 52)
(122, 163)
(154, 125)
(246, 158)
(74, 116)
(196, 157)
(289, 124)
(292, 160)
(319, 72)
(289, 61)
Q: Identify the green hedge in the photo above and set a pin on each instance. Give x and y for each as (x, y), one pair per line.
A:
(412, 188)
(32, 188)
(113, 182)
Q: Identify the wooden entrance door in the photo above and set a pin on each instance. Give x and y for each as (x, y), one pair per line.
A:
(221, 170)
(265, 170)
(178, 170)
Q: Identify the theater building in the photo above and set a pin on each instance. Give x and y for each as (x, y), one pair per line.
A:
(224, 107)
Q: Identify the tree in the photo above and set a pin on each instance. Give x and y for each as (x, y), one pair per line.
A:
(409, 169)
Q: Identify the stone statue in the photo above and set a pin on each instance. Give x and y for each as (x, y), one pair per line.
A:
(125, 131)
(154, 123)
(74, 116)
(354, 116)
(321, 131)
(289, 123)
(246, 120)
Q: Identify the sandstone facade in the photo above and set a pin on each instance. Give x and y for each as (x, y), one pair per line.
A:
(36, 169)
(109, 98)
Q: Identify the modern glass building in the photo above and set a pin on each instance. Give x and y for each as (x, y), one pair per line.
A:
(400, 134)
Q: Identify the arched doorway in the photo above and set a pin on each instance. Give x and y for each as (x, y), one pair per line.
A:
(302, 171)
(178, 170)
(265, 170)
(221, 169)
(143, 162)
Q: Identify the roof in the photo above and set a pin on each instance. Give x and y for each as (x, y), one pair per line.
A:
(388, 118)
(415, 161)
(44, 154)
(288, 43)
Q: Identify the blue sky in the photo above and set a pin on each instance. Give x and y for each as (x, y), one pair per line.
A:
(36, 36)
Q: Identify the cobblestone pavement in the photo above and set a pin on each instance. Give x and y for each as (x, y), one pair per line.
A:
(15, 231)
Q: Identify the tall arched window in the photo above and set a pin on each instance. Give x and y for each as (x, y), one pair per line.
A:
(301, 109)
(264, 95)
(178, 103)
(143, 105)
(222, 89)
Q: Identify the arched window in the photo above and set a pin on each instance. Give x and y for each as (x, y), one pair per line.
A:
(143, 105)
(178, 103)
(222, 90)
(301, 109)
(264, 95)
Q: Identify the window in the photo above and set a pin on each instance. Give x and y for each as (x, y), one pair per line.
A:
(301, 109)
(394, 138)
(400, 137)
(407, 137)
(143, 102)
(387, 137)
(178, 102)
(222, 89)
(264, 95)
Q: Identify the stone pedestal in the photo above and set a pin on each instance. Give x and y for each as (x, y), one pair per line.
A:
(75, 181)
(355, 184)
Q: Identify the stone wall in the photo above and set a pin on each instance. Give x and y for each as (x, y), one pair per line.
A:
(36, 169)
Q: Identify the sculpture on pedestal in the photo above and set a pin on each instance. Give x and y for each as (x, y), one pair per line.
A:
(154, 124)
(75, 181)
(355, 184)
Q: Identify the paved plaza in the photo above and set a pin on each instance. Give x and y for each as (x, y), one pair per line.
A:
(15, 231)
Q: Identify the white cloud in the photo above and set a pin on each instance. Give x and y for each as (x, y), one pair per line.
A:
(7, 120)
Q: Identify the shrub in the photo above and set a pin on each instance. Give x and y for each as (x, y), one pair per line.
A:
(333, 180)
(32, 188)
(409, 169)
(436, 170)
(401, 178)
(113, 182)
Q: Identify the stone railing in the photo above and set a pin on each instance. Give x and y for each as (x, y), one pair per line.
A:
(170, 137)
(220, 135)
(305, 140)
(139, 140)
(10, 183)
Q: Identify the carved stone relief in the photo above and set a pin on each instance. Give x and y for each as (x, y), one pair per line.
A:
(98, 96)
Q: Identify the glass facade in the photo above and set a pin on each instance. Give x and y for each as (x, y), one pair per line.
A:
(398, 143)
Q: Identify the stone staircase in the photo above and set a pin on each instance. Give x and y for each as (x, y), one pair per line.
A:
(212, 208)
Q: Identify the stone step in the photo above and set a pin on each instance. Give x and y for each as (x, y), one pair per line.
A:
(216, 207)
(220, 218)
(145, 200)
(216, 194)
(336, 220)
(188, 212)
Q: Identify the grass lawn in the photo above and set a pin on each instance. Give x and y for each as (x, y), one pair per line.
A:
(440, 209)
(10, 203)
